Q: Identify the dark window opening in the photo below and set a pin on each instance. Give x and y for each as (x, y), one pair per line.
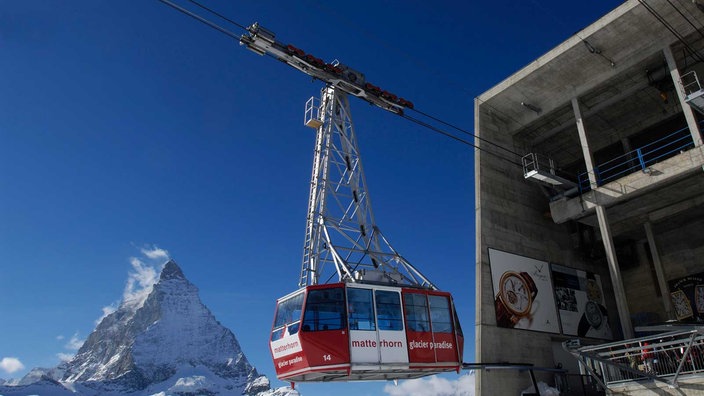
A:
(288, 316)
(440, 314)
(325, 310)
(416, 307)
(388, 308)
(361, 309)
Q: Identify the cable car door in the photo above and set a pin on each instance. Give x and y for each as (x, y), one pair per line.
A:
(392, 337)
(376, 327)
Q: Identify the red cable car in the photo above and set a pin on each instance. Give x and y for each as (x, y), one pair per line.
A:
(362, 311)
(357, 331)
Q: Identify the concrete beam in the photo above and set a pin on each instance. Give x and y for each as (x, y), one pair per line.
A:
(628, 187)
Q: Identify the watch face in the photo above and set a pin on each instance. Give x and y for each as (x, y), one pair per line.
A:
(699, 297)
(683, 308)
(515, 293)
(593, 291)
(593, 313)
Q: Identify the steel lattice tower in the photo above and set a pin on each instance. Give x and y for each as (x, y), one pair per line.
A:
(342, 241)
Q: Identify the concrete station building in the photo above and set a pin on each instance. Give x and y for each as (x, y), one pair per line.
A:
(590, 193)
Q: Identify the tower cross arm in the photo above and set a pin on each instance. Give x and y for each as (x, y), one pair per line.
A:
(263, 42)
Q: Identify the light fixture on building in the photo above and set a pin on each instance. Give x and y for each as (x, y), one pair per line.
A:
(597, 51)
(536, 109)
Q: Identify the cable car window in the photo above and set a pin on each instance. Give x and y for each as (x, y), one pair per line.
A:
(325, 310)
(440, 314)
(288, 316)
(361, 310)
(457, 324)
(416, 307)
(388, 310)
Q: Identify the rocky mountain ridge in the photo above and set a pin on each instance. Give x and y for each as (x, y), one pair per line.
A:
(167, 343)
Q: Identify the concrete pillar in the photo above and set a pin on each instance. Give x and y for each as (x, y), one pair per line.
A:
(615, 272)
(480, 301)
(588, 161)
(616, 280)
(686, 109)
(657, 264)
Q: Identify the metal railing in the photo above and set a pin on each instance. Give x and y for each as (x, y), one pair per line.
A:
(639, 159)
(664, 357)
(690, 82)
(577, 385)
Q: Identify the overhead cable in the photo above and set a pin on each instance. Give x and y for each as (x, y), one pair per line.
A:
(685, 18)
(218, 14)
(467, 132)
(672, 30)
(412, 119)
(201, 19)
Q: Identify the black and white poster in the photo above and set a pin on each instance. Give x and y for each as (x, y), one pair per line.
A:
(687, 295)
(580, 301)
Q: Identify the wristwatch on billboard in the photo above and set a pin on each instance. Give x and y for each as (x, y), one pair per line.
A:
(594, 317)
(517, 292)
(682, 305)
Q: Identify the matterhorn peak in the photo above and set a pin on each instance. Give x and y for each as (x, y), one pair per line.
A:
(171, 343)
(171, 271)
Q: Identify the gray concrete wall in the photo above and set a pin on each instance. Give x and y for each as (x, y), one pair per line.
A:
(682, 250)
(641, 285)
(512, 215)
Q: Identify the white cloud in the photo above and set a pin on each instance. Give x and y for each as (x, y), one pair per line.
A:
(155, 253)
(107, 310)
(74, 343)
(139, 281)
(433, 386)
(145, 273)
(11, 365)
(64, 357)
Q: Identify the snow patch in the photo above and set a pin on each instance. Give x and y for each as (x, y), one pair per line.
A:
(191, 384)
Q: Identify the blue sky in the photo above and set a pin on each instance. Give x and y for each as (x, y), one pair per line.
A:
(127, 127)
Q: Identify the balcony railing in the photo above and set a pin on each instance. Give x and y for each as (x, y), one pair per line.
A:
(637, 160)
(664, 357)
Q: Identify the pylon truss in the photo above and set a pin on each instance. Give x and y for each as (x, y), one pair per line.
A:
(342, 242)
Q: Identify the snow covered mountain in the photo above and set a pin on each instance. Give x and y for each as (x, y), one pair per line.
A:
(166, 343)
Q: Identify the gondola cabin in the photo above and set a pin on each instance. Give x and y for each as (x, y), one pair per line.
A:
(352, 331)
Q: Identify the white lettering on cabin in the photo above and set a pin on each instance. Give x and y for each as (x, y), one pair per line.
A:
(429, 345)
(373, 344)
(286, 347)
(293, 361)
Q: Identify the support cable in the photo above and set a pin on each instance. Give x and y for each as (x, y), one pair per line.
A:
(685, 18)
(672, 30)
(412, 119)
(201, 19)
(218, 14)
(699, 6)
(451, 136)
(467, 132)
